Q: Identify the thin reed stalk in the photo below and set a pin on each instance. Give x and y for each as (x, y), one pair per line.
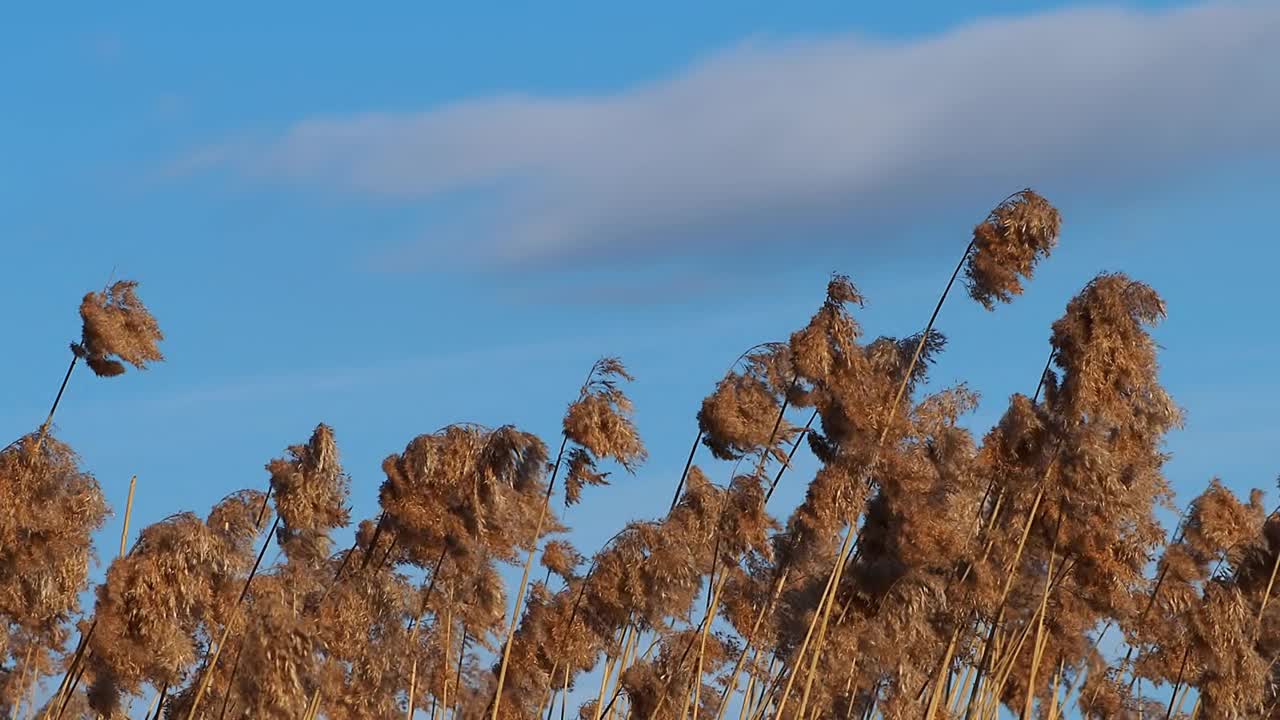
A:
(939, 687)
(684, 474)
(1182, 669)
(462, 654)
(524, 583)
(448, 645)
(1039, 642)
(75, 669)
(155, 701)
(747, 646)
(48, 420)
(823, 602)
(128, 512)
(207, 676)
(313, 707)
(1182, 698)
(628, 657)
(1266, 596)
(1054, 704)
(953, 701)
(417, 624)
(702, 641)
(22, 682)
(555, 689)
(607, 675)
(63, 693)
(235, 667)
(160, 698)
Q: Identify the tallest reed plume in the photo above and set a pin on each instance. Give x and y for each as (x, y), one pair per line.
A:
(116, 329)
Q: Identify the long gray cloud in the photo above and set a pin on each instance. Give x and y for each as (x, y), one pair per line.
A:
(770, 140)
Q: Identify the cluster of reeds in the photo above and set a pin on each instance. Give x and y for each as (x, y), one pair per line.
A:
(927, 572)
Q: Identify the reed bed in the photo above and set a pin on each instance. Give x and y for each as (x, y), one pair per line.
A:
(926, 573)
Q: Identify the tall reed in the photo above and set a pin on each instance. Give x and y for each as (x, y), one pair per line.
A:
(930, 571)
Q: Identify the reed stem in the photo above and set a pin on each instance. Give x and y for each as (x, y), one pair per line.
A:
(48, 421)
(207, 676)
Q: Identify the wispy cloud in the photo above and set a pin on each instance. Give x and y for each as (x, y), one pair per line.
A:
(774, 141)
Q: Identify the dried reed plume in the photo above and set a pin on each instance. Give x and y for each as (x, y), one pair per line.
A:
(51, 510)
(118, 329)
(599, 421)
(161, 603)
(1017, 234)
(114, 323)
(310, 492)
(745, 413)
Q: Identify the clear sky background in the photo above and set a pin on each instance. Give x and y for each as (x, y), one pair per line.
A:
(394, 218)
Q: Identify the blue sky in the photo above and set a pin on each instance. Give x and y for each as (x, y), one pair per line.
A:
(396, 219)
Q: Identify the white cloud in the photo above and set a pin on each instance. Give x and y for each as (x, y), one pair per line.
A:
(772, 140)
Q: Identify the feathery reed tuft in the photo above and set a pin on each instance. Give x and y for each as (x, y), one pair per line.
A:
(118, 329)
(310, 491)
(51, 508)
(600, 420)
(1017, 234)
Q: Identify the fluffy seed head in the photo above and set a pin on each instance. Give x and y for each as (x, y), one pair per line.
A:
(466, 488)
(825, 345)
(561, 558)
(49, 510)
(742, 416)
(581, 472)
(1008, 244)
(600, 420)
(117, 329)
(310, 491)
(1108, 357)
(159, 602)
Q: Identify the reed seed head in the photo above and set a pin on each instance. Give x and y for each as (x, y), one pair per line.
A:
(117, 329)
(1017, 234)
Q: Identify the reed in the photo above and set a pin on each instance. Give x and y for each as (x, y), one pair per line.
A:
(929, 571)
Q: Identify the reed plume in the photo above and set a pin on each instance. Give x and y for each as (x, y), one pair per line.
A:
(51, 510)
(310, 491)
(1019, 232)
(117, 329)
(159, 605)
(745, 413)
